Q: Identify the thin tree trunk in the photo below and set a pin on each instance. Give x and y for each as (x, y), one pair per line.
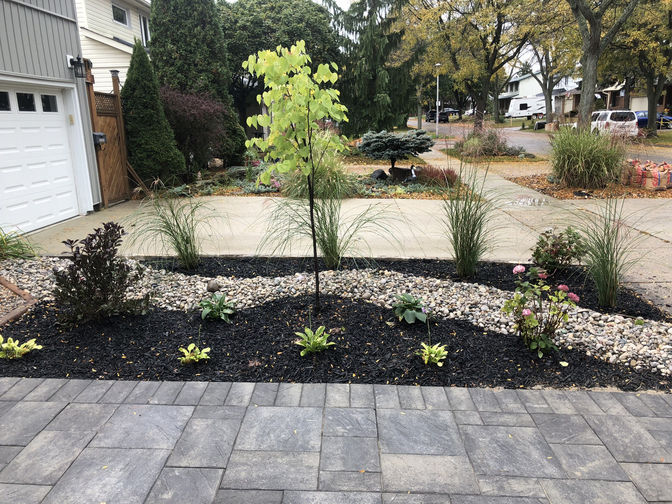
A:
(589, 70)
(418, 94)
(653, 92)
(316, 267)
(481, 106)
(626, 92)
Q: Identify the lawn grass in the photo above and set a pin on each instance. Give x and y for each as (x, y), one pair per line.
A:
(664, 139)
(452, 152)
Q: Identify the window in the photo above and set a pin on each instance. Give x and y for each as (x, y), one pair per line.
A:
(120, 15)
(49, 103)
(26, 102)
(4, 101)
(144, 30)
(622, 116)
(523, 106)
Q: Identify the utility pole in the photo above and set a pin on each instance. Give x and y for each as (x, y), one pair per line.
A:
(437, 100)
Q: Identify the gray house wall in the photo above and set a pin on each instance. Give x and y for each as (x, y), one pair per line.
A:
(35, 37)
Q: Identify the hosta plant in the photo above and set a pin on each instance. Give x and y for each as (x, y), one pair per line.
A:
(538, 310)
(192, 354)
(313, 341)
(433, 354)
(409, 308)
(12, 349)
(217, 307)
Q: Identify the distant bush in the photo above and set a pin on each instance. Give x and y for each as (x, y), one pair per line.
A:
(97, 281)
(581, 158)
(395, 146)
(486, 144)
(557, 251)
(437, 176)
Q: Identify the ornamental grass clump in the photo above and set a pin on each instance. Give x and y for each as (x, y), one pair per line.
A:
(580, 158)
(14, 246)
(538, 310)
(467, 213)
(610, 245)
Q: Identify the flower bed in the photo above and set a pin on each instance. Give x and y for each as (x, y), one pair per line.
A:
(372, 346)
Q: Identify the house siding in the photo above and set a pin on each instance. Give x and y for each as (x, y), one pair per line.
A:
(105, 58)
(35, 37)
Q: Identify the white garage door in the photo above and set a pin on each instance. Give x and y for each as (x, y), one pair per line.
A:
(37, 186)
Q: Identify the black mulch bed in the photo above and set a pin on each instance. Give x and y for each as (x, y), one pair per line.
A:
(259, 346)
(493, 274)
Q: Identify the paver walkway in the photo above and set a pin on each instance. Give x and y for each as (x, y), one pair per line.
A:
(82, 441)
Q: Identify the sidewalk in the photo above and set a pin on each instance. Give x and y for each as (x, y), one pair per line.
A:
(81, 441)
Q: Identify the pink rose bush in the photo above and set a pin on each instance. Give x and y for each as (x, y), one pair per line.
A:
(538, 310)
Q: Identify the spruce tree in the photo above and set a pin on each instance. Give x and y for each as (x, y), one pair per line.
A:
(152, 151)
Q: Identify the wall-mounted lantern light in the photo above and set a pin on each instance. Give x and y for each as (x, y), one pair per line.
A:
(77, 64)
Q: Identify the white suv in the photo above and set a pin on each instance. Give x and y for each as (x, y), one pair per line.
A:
(615, 122)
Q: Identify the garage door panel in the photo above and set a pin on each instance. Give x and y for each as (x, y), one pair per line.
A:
(37, 186)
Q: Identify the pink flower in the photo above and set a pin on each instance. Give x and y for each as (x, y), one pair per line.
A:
(573, 297)
(563, 288)
(519, 269)
(543, 276)
(527, 312)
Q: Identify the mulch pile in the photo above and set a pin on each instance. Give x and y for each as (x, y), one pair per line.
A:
(372, 346)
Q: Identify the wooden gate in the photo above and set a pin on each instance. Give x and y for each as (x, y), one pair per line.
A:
(111, 156)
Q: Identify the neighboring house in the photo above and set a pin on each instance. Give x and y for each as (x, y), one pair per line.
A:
(107, 32)
(615, 98)
(527, 86)
(48, 170)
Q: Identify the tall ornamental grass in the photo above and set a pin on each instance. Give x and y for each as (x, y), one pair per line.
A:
(14, 246)
(467, 212)
(584, 159)
(610, 246)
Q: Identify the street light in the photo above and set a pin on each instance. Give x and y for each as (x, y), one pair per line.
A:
(437, 100)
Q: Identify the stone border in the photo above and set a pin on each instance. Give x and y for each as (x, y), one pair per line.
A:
(16, 312)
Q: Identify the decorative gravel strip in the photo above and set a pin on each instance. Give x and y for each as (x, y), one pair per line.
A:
(639, 343)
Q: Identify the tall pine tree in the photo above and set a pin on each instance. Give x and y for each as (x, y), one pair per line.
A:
(151, 145)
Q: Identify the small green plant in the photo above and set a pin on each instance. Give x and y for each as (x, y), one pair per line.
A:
(433, 354)
(14, 246)
(217, 307)
(193, 354)
(11, 349)
(583, 159)
(557, 251)
(467, 213)
(313, 341)
(409, 308)
(538, 311)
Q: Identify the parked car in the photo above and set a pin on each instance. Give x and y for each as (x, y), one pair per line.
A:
(444, 115)
(617, 122)
(643, 119)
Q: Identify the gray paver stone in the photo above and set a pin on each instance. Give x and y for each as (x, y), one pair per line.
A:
(240, 394)
(205, 442)
(607, 403)
(513, 419)
(410, 397)
(427, 473)
(46, 458)
(7, 453)
(94, 391)
(191, 393)
(588, 462)
(627, 439)
(435, 398)
(6, 406)
(509, 401)
(349, 454)
(313, 395)
(331, 498)
(166, 393)
(248, 497)
(426, 432)
(359, 422)
(459, 399)
(654, 481)
(361, 396)
(386, 396)
(509, 451)
(109, 475)
(215, 394)
(467, 418)
(142, 392)
(484, 399)
(634, 405)
(571, 429)
(338, 395)
(657, 404)
(6, 383)
(583, 403)
(220, 412)
(46, 389)
(591, 492)
(558, 402)
(24, 494)
(143, 426)
(70, 390)
(21, 389)
(534, 401)
(289, 394)
(118, 392)
(264, 394)
(265, 470)
(510, 487)
(350, 481)
(490, 499)
(20, 424)
(185, 485)
(82, 417)
(280, 429)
